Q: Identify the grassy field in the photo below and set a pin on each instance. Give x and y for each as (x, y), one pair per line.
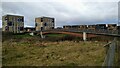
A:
(25, 50)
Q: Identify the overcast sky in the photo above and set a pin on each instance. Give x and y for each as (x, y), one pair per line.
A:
(65, 12)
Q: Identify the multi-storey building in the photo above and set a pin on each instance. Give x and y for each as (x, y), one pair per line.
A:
(13, 23)
(91, 27)
(75, 26)
(67, 26)
(101, 27)
(83, 27)
(44, 23)
(112, 26)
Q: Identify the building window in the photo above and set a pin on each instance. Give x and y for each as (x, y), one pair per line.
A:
(18, 19)
(35, 24)
(21, 28)
(6, 28)
(22, 19)
(41, 28)
(45, 24)
(41, 19)
(9, 23)
(6, 18)
(52, 27)
(52, 20)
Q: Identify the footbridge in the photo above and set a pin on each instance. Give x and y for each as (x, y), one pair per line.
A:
(76, 32)
(113, 33)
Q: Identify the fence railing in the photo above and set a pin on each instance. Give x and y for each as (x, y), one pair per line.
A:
(110, 56)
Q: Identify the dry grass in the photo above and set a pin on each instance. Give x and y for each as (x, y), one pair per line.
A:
(33, 52)
(25, 50)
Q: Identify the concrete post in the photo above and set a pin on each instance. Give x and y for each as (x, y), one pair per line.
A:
(84, 36)
(41, 34)
(31, 33)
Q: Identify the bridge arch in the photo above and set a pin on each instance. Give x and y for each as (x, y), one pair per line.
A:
(70, 33)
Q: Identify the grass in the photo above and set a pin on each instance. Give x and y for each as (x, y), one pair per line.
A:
(25, 50)
(62, 53)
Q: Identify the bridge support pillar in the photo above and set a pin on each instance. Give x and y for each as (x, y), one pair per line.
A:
(41, 34)
(84, 36)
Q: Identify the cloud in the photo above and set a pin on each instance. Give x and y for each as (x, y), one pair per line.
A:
(65, 12)
(59, 0)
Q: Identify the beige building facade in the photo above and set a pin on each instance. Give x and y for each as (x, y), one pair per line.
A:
(13, 23)
(44, 23)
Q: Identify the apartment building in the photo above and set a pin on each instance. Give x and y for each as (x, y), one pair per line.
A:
(44, 23)
(112, 27)
(13, 23)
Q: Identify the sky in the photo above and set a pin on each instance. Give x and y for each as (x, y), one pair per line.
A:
(65, 12)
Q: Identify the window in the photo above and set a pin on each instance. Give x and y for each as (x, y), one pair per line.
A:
(52, 20)
(6, 18)
(35, 24)
(45, 24)
(41, 19)
(21, 28)
(18, 19)
(6, 28)
(22, 19)
(41, 28)
(52, 27)
(9, 24)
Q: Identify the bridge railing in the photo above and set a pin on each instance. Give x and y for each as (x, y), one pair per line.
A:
(93, 31)
(102, 31)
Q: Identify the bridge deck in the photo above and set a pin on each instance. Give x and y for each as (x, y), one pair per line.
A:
(98, 32)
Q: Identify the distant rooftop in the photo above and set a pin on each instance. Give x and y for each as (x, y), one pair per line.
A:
(13, 15)
(44, 17)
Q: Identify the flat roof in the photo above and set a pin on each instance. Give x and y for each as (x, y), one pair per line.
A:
(44, 17)
(13, 15)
